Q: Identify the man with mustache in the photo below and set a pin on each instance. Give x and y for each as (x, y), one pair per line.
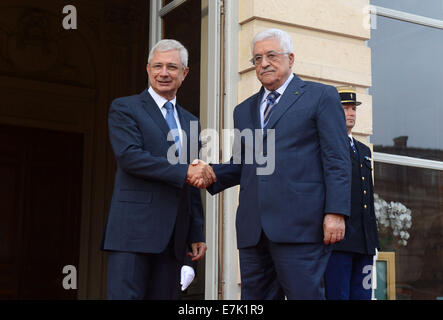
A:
(287, 220)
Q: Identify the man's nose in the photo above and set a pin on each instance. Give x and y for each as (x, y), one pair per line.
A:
(164, 71)
(264, 61)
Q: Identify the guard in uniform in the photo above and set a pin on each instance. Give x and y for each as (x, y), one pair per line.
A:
(349, 272)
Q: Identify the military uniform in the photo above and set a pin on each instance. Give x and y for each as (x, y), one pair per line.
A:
(361, 230)
(350, 264)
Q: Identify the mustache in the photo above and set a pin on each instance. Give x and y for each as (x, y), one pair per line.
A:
(266, 70)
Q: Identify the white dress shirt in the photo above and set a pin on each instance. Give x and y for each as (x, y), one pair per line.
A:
(280, 90)
(160, 101)
(352, 139)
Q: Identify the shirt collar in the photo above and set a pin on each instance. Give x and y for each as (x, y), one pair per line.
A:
(350, 136)
(280, 90)
(159, 100)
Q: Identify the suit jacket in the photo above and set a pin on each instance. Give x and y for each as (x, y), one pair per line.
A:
(150, 195)
(312, 167)
(361, 235)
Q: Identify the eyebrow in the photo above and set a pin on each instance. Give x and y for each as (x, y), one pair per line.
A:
(169, 64)
(270, 51)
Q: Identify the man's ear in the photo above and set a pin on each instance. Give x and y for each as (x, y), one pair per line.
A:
(291, 59)
(185, 72)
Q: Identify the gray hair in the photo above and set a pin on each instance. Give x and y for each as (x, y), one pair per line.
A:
(283, 38)
(168, 45)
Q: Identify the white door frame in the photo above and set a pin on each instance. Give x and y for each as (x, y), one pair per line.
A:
(213, 110)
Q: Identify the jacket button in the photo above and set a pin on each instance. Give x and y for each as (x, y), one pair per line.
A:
(361, 166)
(365, 206)
(364, 191)
(363, 178)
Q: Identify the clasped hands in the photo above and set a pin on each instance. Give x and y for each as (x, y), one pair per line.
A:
(200, 174)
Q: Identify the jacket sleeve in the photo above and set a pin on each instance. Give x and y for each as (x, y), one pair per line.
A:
(228, 175)
(126, 140)
(331, 126)
(197, 217)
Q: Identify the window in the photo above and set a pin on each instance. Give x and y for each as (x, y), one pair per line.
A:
(407, 92)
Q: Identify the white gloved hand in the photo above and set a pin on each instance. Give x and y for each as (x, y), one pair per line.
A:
(187, 275)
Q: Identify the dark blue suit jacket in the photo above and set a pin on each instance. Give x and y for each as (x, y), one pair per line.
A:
(150, 194)
(361, 234)
(312, 167)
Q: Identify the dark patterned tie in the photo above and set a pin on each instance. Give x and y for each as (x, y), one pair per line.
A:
(170, 119)
(271, 99)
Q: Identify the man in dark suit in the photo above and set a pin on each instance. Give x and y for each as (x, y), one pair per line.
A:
(349, 272)
(155, 218)
(287, 217)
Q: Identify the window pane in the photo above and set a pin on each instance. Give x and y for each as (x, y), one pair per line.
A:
(407, 92)
(418, 264)
(381, 291)
(166, 2)
(184, 24)
(428, 8)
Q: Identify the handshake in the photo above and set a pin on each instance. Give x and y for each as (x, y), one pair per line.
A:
(200, 174)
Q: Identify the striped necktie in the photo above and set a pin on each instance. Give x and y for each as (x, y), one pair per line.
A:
(170, 119)
(271, 99)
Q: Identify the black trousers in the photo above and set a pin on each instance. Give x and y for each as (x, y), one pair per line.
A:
(143, 276)
(273, 271)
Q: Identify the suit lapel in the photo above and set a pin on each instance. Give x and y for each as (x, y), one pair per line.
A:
(152, 109)
(185, 125)
(292, 93)
(255, 109)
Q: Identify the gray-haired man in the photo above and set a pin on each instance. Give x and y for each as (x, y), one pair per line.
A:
(287, 219)
(155, 218)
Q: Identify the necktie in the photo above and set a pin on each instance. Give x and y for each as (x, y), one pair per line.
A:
(354, 149)
(170, 119)
(271, 99)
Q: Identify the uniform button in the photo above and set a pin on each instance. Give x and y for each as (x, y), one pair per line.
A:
(363, 178)
(364, 192)
(365, 206)
(361, 166)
